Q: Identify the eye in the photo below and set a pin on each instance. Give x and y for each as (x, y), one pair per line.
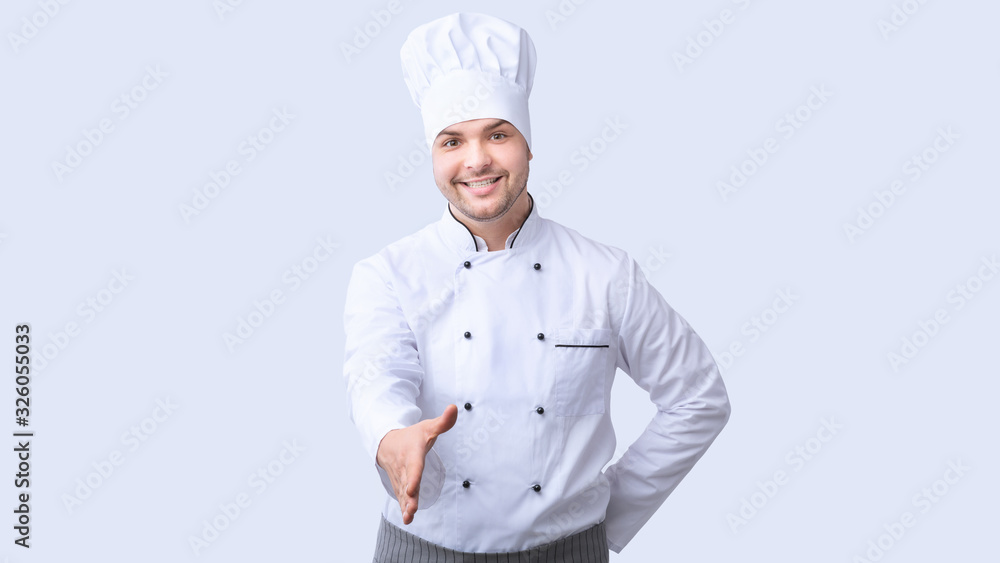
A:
(448, 143)
(498, 134)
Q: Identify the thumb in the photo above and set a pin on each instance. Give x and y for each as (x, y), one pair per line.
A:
(446, 421)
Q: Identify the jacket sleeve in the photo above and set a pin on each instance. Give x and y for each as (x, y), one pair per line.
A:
(666, 358)
(381, 366)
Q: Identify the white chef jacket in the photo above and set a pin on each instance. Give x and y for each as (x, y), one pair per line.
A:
(526, 341)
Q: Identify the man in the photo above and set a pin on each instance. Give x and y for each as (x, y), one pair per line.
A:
(523, 323)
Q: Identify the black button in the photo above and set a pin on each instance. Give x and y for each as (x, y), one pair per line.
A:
(541, 336)
(538, 266)
(468, 264)
(468, 334)
(536, 487)
(466, 484)
(540, 410)
(468, 406)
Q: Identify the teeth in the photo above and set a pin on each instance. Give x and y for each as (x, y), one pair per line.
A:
(480, 184)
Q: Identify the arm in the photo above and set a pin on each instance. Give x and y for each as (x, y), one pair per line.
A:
(383, 375)
(666, 358)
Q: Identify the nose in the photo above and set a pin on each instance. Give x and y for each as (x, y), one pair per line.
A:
(476, 156)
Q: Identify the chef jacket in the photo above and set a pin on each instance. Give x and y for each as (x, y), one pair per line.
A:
(526, 341)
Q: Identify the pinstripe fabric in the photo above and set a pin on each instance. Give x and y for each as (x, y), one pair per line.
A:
(395, 545)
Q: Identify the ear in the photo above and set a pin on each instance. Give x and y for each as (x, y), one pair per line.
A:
(529, 154)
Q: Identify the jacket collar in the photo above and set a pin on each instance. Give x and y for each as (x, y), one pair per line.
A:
(457, 235)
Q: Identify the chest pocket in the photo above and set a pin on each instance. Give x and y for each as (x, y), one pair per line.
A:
(580, 361)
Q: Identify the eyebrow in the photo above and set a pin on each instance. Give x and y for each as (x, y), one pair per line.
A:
(487, 127)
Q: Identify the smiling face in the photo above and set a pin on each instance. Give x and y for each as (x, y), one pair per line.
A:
(481, 167)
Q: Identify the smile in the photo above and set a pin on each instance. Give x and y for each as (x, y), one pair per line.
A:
(481, 183)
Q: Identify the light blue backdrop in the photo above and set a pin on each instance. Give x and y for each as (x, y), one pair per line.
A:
(812, 185)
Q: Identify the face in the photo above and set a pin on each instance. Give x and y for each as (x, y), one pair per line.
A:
(481, 167)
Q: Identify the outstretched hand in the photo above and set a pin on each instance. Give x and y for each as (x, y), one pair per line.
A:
(402, 452)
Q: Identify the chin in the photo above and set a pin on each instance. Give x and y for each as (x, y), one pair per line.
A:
(482, 211)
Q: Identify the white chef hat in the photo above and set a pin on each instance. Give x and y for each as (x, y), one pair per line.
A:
(469, 66)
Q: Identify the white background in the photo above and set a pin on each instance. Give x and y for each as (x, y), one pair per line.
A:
(653, 190)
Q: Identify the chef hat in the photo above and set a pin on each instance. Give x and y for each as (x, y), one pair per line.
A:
(469, 66)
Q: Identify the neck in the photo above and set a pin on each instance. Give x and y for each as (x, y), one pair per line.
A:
(495, 232)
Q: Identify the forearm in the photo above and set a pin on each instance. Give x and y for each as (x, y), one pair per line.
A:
(382, 369)
(657, 461)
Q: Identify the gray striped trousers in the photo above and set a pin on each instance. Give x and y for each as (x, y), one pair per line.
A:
(395, 545)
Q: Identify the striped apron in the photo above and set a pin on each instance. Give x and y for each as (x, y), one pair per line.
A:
(395, 545)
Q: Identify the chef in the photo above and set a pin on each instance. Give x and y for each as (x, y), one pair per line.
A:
(481, 350)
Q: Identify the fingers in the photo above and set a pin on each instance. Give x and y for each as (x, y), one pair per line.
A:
(405, 452)
(409, 510)
(413, 485)
(409, 490)
(407, 500)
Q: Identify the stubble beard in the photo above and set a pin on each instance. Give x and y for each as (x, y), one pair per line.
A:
(505, 203)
